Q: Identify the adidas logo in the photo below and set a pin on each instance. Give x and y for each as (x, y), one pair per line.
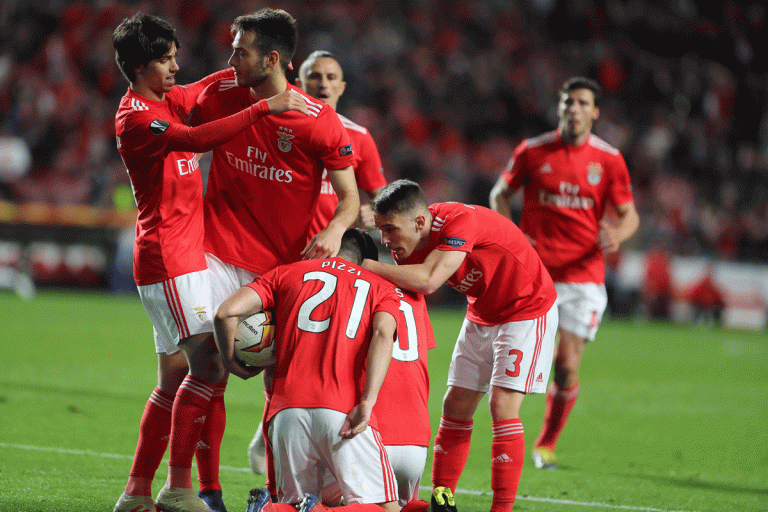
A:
(202, 446)
(501, 458)
(438, 449)
(546, 169)
(200, 419)
(540, 378)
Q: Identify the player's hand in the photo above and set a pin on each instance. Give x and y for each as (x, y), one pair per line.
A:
(237, 367)
(356, 421)
(365, 218)
(607, 238)
(325, 244)
(285, 101)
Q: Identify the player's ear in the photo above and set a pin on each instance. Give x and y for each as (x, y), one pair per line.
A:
(421, 221)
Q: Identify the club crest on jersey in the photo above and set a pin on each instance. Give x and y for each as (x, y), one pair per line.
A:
(158, 127)
(594, 173)
(454, 242)
(345, 150)
(284, 141)
(200, 311)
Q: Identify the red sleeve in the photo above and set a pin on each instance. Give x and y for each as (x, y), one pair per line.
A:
(369, 172)
(515, 173)
(188, 94)
(198, 139)
(459, 232)
(331, 141)
(265, 286)
(621, 187)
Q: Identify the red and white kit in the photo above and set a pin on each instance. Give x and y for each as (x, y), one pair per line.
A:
(566, 191)
(323, 311)
(368, 173)
(508, 336)
(264, 184)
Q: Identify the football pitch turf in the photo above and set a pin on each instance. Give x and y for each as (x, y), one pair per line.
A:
(670, 418)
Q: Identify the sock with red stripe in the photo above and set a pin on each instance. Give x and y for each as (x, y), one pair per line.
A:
(560, 402)
(193, 401)
(209, 447)
(507, 454)
(450, 452)
(154, 431)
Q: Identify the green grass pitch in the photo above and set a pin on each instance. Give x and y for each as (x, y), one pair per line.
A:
(670, 418)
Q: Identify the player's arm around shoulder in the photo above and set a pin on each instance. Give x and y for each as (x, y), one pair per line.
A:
(244, 302)
(424, 278)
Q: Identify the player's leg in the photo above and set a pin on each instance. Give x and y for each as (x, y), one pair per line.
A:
(523, 352)
(154, 431)
(581, 307)
(209, 448)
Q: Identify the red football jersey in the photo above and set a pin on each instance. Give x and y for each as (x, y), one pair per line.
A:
(167, 185)
(368, 173)
(402, 408)
(502, 276)
(324, 318)
(566, 191)
(264, 183)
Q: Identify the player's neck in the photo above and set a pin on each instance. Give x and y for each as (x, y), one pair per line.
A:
(574, 139)
(147, 92)
(271, 86)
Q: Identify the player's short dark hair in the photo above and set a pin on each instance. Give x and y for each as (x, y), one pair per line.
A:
(358, 245)
(399, 197)
(581, 82)
(311, 58)
(273, 29)
(140, 39)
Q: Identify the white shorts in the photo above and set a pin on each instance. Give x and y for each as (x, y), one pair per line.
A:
(308, 452)
(408, 463)
(178, 308)
(581, 307)
(513, 355)
(226, 279)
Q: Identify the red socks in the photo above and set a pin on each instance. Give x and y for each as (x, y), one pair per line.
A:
(193, 400)
(450, 452)
(154, 431)
(209, 446)
(560, 402)
(507, 454)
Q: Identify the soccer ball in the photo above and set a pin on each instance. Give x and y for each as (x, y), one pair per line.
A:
(254, 339)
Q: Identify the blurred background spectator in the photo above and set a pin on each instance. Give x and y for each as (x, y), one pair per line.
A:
(447, 88)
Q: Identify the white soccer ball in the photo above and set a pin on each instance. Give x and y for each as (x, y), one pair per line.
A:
(254, 340)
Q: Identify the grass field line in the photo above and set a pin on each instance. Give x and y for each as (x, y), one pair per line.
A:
(69, 451)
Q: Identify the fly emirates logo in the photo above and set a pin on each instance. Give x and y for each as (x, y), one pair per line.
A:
(254, 164)
(568, 197)
(468, 282)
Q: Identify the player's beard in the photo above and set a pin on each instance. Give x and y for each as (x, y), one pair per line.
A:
(253, 79)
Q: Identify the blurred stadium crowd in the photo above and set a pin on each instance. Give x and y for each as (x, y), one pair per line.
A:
(448, 89)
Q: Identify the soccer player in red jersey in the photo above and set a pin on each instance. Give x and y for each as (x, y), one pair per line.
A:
(321, 76)
(264, 184)
(159, 151)
(506, 343)
(337, 325)
(571, 180)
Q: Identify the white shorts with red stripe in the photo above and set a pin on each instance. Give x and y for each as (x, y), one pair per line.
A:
(580, 307)
(308, 452)
(179, 307)
(513, 355)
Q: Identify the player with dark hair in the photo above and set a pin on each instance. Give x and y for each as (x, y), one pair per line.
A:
(577, 207)
(159, 152)
(321, 76)
(336, 325)
(264, 185)
(507, 340)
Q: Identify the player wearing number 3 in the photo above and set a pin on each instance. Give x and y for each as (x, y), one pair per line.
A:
(337, 324)
(507, 340)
